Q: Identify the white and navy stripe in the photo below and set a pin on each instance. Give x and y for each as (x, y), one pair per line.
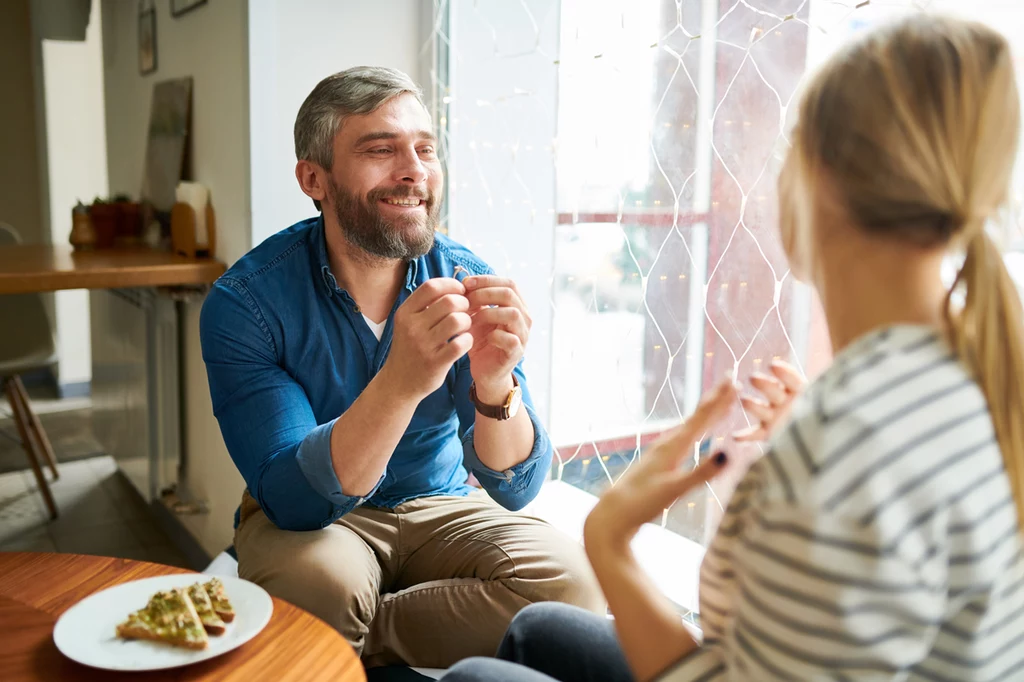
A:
(878, 538)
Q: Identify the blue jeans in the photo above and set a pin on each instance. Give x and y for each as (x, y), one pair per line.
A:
(550, 642)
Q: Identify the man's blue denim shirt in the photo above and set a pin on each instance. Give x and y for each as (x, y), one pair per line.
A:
(287, 352)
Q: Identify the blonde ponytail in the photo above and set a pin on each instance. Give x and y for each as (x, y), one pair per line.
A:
(916, 128)
(987, 334)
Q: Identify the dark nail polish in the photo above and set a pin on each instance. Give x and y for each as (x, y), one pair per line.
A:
(720, 459)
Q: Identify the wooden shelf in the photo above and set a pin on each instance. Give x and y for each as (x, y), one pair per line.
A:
(27, 268)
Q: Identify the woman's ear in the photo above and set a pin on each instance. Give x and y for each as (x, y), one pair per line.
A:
(789, 226)
(798, 216)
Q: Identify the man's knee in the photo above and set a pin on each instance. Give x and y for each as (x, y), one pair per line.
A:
(563, 575)
(344, 598)
(329, 573)
(580, 584)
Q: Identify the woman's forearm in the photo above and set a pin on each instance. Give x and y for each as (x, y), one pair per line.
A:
(650, 630)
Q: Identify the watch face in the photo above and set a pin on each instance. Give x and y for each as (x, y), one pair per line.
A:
(515, 402)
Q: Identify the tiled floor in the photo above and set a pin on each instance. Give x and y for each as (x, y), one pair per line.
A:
(99, 514)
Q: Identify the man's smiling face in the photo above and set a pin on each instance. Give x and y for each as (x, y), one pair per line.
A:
(386, 181)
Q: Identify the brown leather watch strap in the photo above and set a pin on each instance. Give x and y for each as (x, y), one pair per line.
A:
(499, 412)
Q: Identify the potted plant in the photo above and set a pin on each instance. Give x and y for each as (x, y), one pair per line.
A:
(104, 215)
(129, 220)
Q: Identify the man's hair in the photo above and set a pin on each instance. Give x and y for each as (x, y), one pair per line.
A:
(359, 90)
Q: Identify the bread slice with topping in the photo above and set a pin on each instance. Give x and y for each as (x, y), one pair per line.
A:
(204, 607)
(169, 617)
(215, 588)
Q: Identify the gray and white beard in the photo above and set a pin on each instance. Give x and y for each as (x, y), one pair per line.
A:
(380, 237)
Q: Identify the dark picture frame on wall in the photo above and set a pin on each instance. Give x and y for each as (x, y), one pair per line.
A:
(147, 40)
(179, 7)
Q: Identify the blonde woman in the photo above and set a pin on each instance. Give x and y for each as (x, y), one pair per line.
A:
(880, 537)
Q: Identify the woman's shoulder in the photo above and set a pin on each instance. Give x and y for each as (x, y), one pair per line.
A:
(891, 406)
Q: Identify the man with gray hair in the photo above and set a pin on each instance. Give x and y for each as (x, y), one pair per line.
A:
(359, 364)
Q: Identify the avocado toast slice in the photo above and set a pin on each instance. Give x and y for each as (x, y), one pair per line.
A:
(204, 607)
(223, 607)
(169, 617)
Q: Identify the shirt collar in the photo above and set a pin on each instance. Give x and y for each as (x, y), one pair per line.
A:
(411, 274)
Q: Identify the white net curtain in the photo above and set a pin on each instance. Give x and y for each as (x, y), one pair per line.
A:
(618, 158)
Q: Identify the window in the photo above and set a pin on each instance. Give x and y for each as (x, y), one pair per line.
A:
(618, 158)
(668, 269)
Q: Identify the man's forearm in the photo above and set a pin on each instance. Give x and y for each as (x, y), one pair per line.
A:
(501, 445)
(365, 436)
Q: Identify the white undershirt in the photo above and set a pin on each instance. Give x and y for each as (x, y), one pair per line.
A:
(376, 327)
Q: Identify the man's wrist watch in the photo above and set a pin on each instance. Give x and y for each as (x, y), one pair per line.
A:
(500, 412)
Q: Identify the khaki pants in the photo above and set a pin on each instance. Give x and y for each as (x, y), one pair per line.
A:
(431, 582)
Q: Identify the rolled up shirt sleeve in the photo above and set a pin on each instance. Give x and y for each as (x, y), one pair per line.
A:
(314, 459)
(517, 486)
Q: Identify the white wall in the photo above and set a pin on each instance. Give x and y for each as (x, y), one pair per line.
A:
(293, 44)
(76, 152)
(210, 45)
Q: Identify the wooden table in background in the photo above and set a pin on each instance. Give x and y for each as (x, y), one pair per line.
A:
(158, 282)
(35, 589)
(28, 268)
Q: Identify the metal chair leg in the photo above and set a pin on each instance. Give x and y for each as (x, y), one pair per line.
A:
(37, 427)
(23, 421)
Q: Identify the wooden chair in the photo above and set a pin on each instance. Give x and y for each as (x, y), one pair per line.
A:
(26, 344)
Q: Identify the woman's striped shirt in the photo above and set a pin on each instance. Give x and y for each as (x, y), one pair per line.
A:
(876, 540)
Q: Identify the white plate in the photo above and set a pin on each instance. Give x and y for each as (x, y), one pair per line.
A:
(85, 632)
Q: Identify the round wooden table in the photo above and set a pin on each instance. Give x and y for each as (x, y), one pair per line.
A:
(36, 588)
